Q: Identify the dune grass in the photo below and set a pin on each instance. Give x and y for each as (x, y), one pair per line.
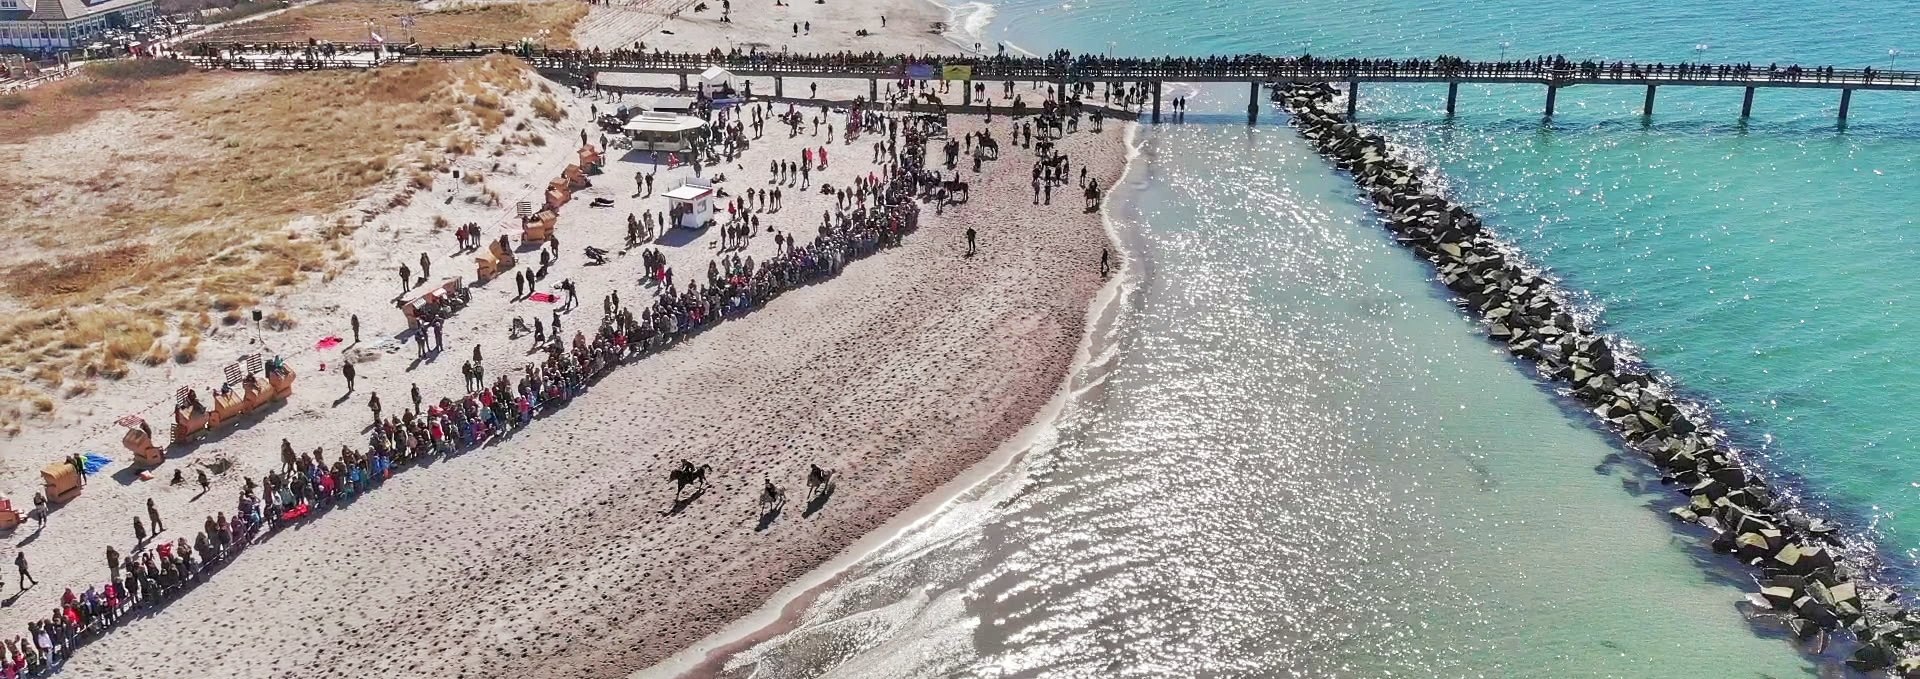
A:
(136, 270)
(548, 22)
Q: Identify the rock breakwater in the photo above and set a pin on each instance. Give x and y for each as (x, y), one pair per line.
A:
(1803, 576)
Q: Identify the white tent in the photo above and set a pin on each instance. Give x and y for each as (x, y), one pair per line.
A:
(662, 131)
(713, 80)
(691, 203)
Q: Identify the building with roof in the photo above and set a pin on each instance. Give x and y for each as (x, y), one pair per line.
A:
(65, 24)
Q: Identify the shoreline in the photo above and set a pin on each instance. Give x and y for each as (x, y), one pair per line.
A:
(892, 372)
(776, 615)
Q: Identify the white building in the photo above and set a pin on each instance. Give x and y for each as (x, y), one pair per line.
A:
(65, 24)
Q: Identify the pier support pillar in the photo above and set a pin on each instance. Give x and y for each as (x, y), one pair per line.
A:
(1846, 99)
(1646, 109)
(966, 93)
(1353, 97)
(1156, 101)
(873, 89)
(1746, 105)
(1253, 102)
(778, 90)
(683, 82)
(1552, 92)
(1453, 92)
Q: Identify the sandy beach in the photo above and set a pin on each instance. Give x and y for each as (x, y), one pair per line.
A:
(551, 553)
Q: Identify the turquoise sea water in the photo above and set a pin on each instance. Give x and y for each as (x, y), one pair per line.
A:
(1297, 460)
(1767, 264)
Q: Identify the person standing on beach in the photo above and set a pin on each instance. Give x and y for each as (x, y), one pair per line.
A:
(346, 370)
(1105, 258)
(439, 341)
(153, 515)
(971, 237)
(20, 562)
(416, 397)
(113, 562)
(139, 532)
(426, 267)
(373, 404)
(354, 320)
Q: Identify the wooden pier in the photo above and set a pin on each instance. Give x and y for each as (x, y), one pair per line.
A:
(1256, 70)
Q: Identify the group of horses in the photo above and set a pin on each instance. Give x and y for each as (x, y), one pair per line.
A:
(819, 483)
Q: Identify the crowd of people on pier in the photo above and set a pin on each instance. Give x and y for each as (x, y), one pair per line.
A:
(1093, 67)
(1063, 65)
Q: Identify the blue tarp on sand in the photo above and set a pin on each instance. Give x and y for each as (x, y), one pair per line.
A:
(96, 462)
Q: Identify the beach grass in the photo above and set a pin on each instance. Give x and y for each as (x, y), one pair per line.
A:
(130, 267)
(548, 22)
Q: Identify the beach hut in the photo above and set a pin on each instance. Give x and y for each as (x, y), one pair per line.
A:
(691, 204)
(538, 227)
(9, 517)
(668, 132)
(425, 296)
(590, 159)
(498, 258)
(62, 482)
(139, 441)
(559, 191)
(715, 80)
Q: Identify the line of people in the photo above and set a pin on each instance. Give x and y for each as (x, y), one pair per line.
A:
(309, 484)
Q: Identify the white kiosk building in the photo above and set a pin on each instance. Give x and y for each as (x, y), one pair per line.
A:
(668, 132)
(690, 205)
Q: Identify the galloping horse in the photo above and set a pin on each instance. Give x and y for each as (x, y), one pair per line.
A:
(688, 475)
(771, 497)
(818, 480)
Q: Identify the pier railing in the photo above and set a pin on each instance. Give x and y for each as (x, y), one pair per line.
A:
(1553, 73)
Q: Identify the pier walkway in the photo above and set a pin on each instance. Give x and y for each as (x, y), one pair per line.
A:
(1553, 73)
